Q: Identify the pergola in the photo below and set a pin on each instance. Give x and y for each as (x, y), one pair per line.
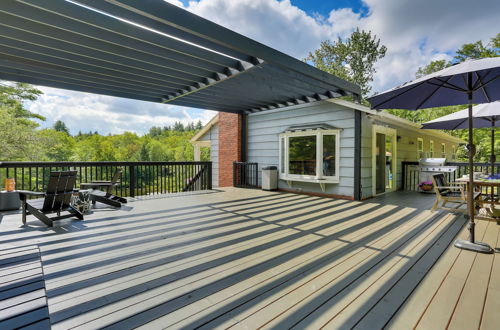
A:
(153, 51)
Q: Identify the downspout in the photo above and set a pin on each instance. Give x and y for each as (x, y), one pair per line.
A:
(357, 155)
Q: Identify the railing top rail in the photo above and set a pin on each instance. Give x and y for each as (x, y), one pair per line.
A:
(454, 163)
(106, 163)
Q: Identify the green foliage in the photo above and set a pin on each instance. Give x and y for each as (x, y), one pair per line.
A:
(481, 136)
(60, 126)
(57, 145)
(352, 59)
(433, 66)
(18, 133)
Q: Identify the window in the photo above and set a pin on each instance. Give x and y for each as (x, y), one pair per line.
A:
(443, 150)
(431, 149)
(310, 155)
(420, 148)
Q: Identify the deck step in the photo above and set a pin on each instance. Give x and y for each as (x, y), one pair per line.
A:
(23, 299)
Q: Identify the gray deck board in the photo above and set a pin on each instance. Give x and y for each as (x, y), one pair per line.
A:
(23, 301)
(239, 258)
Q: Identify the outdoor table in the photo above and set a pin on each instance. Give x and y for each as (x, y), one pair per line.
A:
(494, 199)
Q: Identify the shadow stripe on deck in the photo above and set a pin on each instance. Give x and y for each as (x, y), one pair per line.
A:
(23, 301)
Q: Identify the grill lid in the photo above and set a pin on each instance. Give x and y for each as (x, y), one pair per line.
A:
(432, 161)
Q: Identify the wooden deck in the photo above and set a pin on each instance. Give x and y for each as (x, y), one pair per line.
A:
(247, 259)
(23, 303)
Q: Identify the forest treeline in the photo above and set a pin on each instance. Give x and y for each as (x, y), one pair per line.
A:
(22, 138)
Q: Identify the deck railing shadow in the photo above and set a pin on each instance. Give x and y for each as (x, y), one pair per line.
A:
(226, 281)
(127, 256)
(107, 220)
(404, 281)
(256, 296)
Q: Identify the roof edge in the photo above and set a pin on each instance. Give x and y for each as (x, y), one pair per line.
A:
(205, 128)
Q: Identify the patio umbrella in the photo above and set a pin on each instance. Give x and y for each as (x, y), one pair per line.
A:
(484, 115)
(470, 82)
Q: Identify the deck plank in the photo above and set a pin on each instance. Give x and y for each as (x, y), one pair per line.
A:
(467, 313)
(441, 307)
(23, 301)
(490, 316)
(244, 258)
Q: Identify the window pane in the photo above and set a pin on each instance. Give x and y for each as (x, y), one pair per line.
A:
(329, 155)
(302, 155)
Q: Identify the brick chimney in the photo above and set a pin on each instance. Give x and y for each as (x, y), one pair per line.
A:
(229, 146)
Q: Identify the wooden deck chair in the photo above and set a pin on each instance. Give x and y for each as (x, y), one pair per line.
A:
(450, 193)
(56, 199)
(102, 191)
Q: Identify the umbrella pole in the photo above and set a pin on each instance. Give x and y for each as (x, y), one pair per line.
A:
(471, 244)
(493, 157)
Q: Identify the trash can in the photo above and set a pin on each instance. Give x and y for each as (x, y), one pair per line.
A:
(269, 178)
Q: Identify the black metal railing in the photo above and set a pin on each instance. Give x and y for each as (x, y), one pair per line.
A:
(245, 175)
(411, 173)
(137, 179)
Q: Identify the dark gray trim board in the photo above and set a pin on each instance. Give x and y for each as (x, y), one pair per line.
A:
(357, 154)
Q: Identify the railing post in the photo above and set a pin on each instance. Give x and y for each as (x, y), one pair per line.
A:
(256, 175)
(209, 176)
(234, 174)
(131, 169)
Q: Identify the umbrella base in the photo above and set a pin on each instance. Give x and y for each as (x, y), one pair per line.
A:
(477, 246)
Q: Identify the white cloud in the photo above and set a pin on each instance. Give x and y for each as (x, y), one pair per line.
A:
(105, 114)
(415, 32)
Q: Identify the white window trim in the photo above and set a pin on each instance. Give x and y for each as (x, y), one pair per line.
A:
(319, 177)
(420, 153)
(443, 150)
(431, 149)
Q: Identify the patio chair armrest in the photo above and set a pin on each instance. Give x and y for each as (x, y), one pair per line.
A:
(448, 187)
(24, 194)
(30, 193)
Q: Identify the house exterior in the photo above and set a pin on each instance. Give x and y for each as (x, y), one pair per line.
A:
(331, 147)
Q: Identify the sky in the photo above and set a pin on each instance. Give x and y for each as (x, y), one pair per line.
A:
(414, 32)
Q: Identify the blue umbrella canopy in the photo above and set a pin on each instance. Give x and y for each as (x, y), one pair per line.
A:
(449, 86)
(484, 115)
(470, 82)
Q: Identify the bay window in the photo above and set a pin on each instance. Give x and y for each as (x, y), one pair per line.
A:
(311, 155)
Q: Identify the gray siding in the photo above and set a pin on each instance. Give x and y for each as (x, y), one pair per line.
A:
(263, 140)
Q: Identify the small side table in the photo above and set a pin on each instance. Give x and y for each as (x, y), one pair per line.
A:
(9, 200)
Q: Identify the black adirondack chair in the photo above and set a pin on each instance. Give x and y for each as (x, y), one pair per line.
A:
(102, 191)
(56, 199)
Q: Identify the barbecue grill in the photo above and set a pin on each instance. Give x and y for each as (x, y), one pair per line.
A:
(431, 166)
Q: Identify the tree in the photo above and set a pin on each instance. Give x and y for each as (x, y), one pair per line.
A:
(18, 134)
(352, 59)
(60, 126)
(433, 66)
(57, 145)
